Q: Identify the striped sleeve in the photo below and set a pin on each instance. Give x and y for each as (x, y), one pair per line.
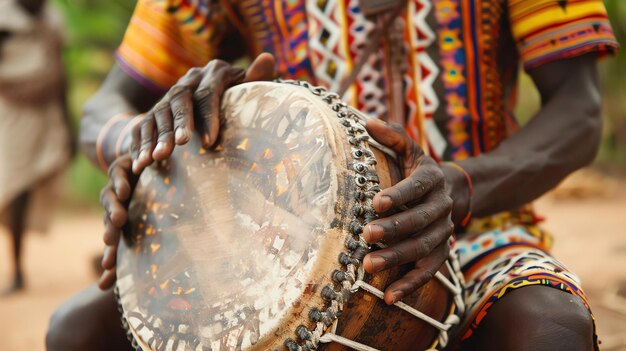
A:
(547, 30)
(164, 39)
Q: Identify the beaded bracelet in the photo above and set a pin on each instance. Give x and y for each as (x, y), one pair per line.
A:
(102, 137)
(122, 139)
(470, 189)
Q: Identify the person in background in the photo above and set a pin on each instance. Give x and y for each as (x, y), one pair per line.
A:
(35, 138)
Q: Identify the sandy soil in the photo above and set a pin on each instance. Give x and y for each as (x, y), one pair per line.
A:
(590, 239)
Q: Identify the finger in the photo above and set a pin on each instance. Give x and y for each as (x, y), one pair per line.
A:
(119, 173)
(262, 68)
(424, 271)
(147, 144)
(390, 135)
(165, 132)
(218, 77)
(182, 111)
(109, 257)
(135, 142)
(107, 279)
(410, 189)
(180, 99)
(411, 250)
(113, 207)
(111, 234)
(406, 223)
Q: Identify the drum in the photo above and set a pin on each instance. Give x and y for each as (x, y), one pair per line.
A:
(256, 243)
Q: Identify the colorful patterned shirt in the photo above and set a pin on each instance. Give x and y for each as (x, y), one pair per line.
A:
(459, 61)
(459, 58)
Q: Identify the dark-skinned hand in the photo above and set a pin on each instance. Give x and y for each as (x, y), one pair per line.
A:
(191, 105)
(415, 215)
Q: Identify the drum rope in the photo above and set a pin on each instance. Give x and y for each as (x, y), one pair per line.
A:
(330, 337)
(360, 284)
(454, 286)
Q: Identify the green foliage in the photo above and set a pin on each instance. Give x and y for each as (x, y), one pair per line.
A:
(84, 183)
(96, 22)
(613, 73)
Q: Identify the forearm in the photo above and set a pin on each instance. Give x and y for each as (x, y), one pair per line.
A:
(509, 178)
(105, 129)
(108, 118)
(562, 137)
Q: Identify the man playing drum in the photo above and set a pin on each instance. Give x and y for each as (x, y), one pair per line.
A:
(444, 70)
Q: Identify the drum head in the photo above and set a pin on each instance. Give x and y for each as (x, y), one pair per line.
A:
(228, 247)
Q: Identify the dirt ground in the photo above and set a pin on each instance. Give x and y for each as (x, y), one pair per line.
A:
(589, 226)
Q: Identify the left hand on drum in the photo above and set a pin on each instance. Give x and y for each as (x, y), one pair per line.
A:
(113, 198)
(415, 215)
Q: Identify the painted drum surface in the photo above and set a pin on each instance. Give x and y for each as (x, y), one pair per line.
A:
(255, 244)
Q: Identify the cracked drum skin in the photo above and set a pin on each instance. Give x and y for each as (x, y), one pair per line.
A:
(230, 248)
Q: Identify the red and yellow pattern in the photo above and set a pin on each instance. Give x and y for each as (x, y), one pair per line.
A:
(546, 30)
(458, 75)
(165, 38)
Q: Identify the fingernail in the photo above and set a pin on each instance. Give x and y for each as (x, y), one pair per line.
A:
(181, 135)
(385, 203)
(373, 233)
(397, 296)
(377, 263)
(159, 147)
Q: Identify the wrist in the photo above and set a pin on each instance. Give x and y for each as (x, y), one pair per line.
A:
(459, 187)
(114, 138)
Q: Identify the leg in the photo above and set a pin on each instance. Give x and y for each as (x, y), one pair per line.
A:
(88, 321)
(536, 318)
(17, 225)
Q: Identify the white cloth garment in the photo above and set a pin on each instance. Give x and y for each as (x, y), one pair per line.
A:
(34, 139)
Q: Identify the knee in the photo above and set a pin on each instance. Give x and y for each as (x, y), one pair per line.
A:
(76, 325)
(541, 318)
(57, 334)
(64, 330)
(554, 314)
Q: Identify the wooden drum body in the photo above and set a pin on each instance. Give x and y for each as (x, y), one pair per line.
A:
(255, 244)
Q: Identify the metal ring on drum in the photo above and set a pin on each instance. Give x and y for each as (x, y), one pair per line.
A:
(256, 243)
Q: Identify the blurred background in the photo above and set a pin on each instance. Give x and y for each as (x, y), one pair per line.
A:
(586, 213)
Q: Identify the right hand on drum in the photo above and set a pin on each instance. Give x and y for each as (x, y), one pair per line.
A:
(415, 215)
(191, 104)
